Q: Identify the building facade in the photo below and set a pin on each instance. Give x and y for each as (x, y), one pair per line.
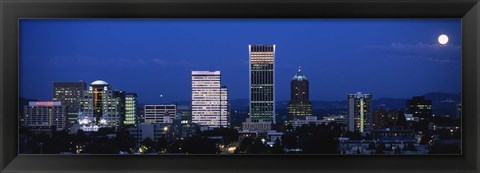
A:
(360, 112)
(169, 131)
(420, 107)
(262, 82)
(209, 99)
(131, 114)
(45, 115)
(300, 106)
(160, 113)
(99, 107)
(69, 94)
(307, 121)
(184, 113)
(392, 119)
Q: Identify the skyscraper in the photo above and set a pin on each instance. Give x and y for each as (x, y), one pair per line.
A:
(360, 112)
(262, 80)
(69, 93)
(224, 107)
(300, 105)
(120, 95)
(99, 107)
(131, 113)
(209, 99)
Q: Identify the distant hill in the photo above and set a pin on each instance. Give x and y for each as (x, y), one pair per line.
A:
(443, 103)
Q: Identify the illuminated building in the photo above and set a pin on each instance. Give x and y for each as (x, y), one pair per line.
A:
(308, 120)
(300, 105)
(169, 131)
(45, 115)
(184, 113)
(262, 80)
(160, 113)
(209, 99)
(420, 108)
(69, 93)
(120, 95)
(224, 107)
(360, 112)
(388, 119)
(339, 119)
(99, 107)
(131, 109)
(259, 126)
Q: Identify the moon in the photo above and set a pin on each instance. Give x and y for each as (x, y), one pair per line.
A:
(443, 39)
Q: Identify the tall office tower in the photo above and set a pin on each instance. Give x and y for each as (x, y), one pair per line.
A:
(300, 105)
(69, 93)
(184, 113)
(224, 107)
(160, 113)
(360, 112)
(99, 107)
(44, 115)
(420, 108)
(208, 103)
(120, 95)
(262, 80)
(131, 114)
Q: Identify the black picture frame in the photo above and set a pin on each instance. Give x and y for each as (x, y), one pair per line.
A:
(12, 10)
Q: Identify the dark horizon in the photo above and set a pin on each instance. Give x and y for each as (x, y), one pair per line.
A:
(402, 57)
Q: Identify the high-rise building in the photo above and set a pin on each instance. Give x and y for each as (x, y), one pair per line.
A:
(360, 112)
(99, 107)
(209, 99)
(184, 113)
(262, 80)
(391, 119)
(131, 114)
(160, 113)
(44, 115)
(224, 107)
(69, 93)
(300, 105)
(420, 108)
(120, 95)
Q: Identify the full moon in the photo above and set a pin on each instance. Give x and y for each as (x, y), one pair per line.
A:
(443, 39)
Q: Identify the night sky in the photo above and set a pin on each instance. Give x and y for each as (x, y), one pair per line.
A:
(395, 58)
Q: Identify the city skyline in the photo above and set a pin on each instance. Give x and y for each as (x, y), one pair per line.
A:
(425, 57)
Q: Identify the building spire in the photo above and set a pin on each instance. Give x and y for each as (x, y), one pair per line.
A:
(299, 75)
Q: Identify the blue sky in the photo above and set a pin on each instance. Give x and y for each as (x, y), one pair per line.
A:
(396, 58)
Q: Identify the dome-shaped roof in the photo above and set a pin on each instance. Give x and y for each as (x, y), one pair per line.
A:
(299, 76)
(99, 82)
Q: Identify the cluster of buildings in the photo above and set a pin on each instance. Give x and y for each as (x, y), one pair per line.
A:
(76, 106)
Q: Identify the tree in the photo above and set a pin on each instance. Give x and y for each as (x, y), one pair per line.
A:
(371, 146)
(125, 142)
(277, 147)
(356, 135)
(149, 144)
(244, 144)
(380, 148)
(161, 144)
(257, 147)
(200, 145)
(445, 149)
(410, 147)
